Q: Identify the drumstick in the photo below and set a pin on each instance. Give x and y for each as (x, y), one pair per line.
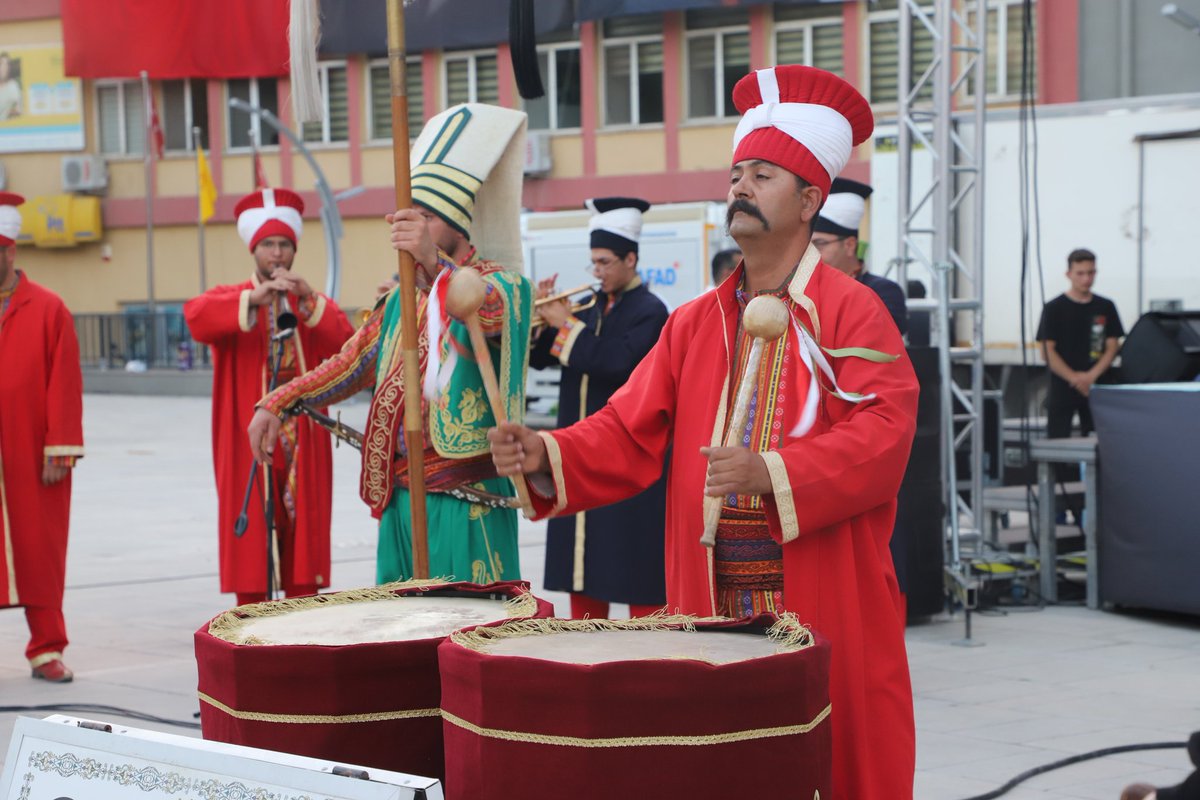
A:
(766, 318)
(464, 296)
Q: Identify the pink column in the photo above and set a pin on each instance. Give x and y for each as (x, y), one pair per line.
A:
(758, 37)
(672, 88)
(589, 70)
(1057, 51)
(355, 68)
(283, 91)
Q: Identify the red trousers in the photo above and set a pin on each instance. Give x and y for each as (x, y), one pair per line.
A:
(582, 605)
(47, 631)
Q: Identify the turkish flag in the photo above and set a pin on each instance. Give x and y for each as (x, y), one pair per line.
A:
(176, 39)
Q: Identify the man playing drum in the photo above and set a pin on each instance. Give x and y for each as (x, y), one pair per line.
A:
(466, 183)
(809, 499)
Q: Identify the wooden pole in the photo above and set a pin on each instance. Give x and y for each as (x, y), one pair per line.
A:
(414, 429)
(766, 318)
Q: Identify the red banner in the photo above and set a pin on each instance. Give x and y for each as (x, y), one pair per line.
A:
(176, 39)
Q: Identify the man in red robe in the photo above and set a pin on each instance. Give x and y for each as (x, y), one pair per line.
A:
(247, 326)
(41, 436)
(809, 502)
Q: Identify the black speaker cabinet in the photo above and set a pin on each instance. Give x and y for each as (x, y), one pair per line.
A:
(917, 538)
(1163, 347)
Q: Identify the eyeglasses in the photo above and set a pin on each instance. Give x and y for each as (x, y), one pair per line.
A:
(601, 264)
(821, 244)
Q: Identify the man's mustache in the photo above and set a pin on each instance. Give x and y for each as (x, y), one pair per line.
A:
(746, 207)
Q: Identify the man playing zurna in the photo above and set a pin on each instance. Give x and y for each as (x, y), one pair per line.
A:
(810, 497)
(615, 553)
(241, 323)
(466, 184)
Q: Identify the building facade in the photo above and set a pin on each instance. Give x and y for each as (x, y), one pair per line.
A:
(636, 104)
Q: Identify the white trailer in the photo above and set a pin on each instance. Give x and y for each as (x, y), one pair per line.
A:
(1111, 177)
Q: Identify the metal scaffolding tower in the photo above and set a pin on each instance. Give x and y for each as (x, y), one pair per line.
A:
(942, 109)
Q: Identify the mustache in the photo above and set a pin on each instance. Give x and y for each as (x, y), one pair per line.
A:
(746, 207)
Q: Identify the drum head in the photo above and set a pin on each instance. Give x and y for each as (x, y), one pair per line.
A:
(599, 647)
(393, 619)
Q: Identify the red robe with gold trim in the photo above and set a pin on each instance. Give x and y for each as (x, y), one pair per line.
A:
(238, 335)
(41, 414)
(833, 506)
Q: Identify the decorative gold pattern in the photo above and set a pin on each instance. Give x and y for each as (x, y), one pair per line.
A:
(320, 719)
(702, 740)
(781, 488)
(554, 455)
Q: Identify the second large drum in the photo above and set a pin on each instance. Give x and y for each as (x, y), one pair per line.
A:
(658, 707)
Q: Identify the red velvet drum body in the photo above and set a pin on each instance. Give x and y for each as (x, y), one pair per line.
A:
(332, 689)
(681, 720)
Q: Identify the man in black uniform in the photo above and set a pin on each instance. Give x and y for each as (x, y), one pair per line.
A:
(615, 553)
(835, 234)
(1079, 332)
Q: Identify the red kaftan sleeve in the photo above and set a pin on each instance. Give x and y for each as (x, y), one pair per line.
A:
(220, 313)
(64, 390)
(857, 463)
(618, 451)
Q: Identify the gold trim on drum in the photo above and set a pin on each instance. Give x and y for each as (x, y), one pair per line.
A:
(320, 719)
(703, 740)
(788, 633)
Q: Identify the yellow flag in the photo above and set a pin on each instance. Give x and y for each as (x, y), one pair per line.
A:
(208, 192)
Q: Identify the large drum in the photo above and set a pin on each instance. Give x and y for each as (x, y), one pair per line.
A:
(653, 707)
(348, 676)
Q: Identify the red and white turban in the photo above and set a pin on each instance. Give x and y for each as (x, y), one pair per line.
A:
(803, 119)
(269, 212)
(10, 218)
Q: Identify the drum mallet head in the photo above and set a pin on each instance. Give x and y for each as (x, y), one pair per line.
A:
(766, 317)
(465, 294)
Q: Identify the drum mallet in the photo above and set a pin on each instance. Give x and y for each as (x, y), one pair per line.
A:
(766, 318)
(464, 296)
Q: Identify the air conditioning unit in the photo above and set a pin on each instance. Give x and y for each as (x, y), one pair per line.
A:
(538, 161)
(84, 173)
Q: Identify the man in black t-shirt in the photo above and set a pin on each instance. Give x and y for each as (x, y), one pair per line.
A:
(1079, 333)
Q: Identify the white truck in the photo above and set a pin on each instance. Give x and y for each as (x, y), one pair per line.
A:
(674, 260)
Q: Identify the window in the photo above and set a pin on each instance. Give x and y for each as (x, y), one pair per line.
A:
(246, 129)
(809, 35)
(471, 78)
(122, 118)
(633, 70)
(560, 107)
(184, 106)
(884, 32)
(334, 125)
(716, 60)
(381, 99)
(1005, 21)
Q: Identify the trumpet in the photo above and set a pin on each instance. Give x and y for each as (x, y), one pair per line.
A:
(583, 304)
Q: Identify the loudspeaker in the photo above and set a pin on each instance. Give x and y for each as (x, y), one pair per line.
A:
(917, 549)
(1163, 347)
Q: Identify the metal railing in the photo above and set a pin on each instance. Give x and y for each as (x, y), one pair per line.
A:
(138, 340)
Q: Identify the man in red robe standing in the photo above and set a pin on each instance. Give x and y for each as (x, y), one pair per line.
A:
(247, 326)
(41, 436)
(809, 501)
